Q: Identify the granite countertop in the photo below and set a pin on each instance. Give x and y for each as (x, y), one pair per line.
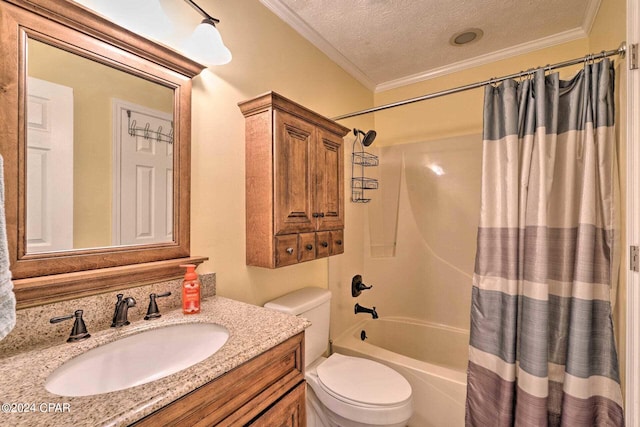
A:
(252, 330)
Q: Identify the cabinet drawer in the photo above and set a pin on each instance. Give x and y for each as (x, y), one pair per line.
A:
(337, 242)
(241, 394)
(323, 242)
(307, 248)
(286, 250)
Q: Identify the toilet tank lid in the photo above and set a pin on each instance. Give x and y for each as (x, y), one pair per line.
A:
(299, 301)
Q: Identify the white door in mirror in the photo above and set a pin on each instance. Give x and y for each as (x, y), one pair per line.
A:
(143, 189)
(49, 166)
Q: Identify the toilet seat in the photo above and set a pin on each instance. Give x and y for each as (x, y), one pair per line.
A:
(361, 390)
(362, 381)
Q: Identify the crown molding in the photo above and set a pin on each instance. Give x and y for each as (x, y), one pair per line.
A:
(556, 39)
(295, 22)
(590, 15)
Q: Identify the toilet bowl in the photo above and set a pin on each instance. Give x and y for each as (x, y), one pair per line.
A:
(344, 391)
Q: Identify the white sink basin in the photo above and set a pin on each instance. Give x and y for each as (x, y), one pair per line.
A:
(137, 359)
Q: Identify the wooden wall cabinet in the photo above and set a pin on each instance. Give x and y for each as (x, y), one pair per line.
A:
(294, 182)
(268, 390)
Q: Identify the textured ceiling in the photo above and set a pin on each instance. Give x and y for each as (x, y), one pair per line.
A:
(387, 43)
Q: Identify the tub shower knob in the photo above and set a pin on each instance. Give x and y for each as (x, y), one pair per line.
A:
(357, 286)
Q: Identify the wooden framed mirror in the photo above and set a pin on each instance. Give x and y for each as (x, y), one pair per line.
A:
(95, 137)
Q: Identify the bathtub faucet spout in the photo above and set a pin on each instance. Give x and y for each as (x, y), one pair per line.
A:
(360, 309)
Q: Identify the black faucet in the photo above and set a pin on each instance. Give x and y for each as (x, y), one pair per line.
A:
(360, 309)
(122, 309)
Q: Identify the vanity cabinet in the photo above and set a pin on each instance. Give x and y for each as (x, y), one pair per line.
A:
(294, 182)
(268, 390)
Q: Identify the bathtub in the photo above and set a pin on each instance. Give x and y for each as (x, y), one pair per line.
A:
(432, 357)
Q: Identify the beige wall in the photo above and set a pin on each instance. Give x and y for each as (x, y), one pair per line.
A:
(94, 86)
(267, 55)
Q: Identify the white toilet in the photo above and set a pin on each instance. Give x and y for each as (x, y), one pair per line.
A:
(344, 391)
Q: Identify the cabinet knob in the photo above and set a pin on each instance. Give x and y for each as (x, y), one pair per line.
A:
(309, 246)
(290, 251)
(338, 242)
(318, 215)
(324, 244)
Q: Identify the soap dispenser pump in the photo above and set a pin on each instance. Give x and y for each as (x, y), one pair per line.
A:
(190, 290)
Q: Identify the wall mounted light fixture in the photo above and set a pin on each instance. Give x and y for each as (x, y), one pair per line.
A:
(205, 44)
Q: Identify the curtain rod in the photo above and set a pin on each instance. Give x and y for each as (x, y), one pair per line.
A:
(604, 54)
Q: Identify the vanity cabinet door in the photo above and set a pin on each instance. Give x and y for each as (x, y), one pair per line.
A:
(287, 412)
(242, 395)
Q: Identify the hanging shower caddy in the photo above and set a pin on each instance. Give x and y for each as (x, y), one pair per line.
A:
(360, 160)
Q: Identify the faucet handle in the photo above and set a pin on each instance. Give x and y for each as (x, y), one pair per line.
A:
(357, 286)
(152, 311)
(79, 331)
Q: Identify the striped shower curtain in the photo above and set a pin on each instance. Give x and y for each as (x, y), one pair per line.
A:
(542, 349)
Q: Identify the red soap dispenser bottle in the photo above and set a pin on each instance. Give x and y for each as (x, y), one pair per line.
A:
(190, 290)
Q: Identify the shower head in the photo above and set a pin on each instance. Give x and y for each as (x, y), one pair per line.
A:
(369, 137)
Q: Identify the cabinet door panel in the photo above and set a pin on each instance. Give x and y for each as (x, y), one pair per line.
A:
(329, 182)
(294, 179)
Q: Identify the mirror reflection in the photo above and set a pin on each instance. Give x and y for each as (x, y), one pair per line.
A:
(99, 154)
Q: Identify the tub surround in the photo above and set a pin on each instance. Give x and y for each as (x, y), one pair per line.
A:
(253, 330)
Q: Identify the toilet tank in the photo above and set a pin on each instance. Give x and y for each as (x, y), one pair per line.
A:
(314, 305)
